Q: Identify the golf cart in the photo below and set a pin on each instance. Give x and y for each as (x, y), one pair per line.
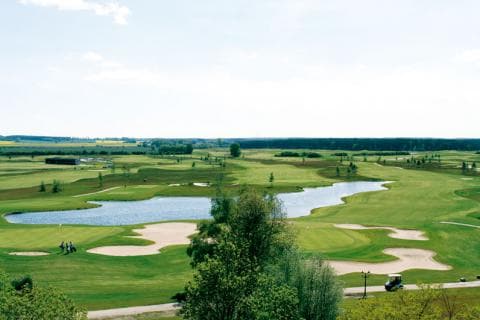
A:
(394, 282)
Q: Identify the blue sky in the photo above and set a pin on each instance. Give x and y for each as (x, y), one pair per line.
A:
(217, 68)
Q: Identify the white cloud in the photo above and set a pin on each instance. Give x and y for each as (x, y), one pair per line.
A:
(469, 56)
(92, 56)
(118, 12)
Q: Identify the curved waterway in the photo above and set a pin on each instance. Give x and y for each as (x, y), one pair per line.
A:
(115, 213)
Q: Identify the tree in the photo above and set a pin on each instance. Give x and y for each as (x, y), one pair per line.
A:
(189, 149)
(100, 179)
(271, 179)
(235, 151)
(464, 167)
(231, 254)
(337, 171)
(319, 291)
(57, 186)
(474, 166)
(42, 187)
(20, 299)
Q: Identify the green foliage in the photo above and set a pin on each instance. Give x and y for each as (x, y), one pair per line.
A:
(429, 303)
(100, 179)
(231, 254)
(33, 303)
(57, 186)
(271, 301)
(319, 291)
(42, 187)
(235, 150)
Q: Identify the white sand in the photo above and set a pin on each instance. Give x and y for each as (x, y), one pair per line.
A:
(174, 185)
(466, 178)
(395, 233)
(29, 253)
(162, 234)
(201, 184)
(407, 259)
(92, 193)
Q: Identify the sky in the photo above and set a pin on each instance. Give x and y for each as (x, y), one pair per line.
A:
(242, 68)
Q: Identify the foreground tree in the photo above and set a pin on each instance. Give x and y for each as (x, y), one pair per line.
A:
(248, 268)
(23, 300)
(231, 254)
(235, 150)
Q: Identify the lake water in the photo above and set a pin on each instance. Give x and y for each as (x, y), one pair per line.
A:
(113, 213)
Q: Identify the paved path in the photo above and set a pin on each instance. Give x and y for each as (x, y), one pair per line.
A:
(460, 224)
(110, 313)
(101, 191)
(104, 314)
(448, 285)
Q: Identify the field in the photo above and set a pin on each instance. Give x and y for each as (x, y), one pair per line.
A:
(420, 197)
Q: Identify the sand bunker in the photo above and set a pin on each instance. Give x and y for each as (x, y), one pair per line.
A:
(29, 253)
(201, 184)
(163, 234)
(407, 259)
(395, 233)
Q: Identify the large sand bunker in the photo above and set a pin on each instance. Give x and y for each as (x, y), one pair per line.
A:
(395, 233)
(162, 234)
(29, 253)
(407, 259)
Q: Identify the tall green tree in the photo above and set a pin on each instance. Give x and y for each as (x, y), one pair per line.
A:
(235, 151)
(57, 186)
(42, 187)
(271, 179)
(231, 255)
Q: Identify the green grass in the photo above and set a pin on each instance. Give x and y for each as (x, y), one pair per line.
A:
(419, 199)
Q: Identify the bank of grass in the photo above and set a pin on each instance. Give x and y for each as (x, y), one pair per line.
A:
(418, 199)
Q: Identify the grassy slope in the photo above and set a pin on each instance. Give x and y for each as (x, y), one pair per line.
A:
(153, 279)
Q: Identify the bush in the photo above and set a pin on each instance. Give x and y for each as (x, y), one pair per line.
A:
(34, 303)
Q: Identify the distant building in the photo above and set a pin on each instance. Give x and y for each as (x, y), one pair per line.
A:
(68, 161)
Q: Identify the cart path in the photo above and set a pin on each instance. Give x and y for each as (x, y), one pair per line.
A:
(92, 193)
(461, 224)
(170, 307)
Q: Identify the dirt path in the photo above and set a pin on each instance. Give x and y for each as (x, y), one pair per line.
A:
(461, 224)
(110, 313)
(92, 193)
(162, 234)
(396, 233)
(407, 259)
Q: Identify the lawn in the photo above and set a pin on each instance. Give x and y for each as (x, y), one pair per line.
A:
(419, 198)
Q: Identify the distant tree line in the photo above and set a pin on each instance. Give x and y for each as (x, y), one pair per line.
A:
(298, 154)
(383, 153)
(359, 144)
(160, 147)
(79, 151)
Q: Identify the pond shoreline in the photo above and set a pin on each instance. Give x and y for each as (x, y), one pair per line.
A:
(176, 208)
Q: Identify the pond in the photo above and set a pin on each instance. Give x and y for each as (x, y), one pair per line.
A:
(114, 213)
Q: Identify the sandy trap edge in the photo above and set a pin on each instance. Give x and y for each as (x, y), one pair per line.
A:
(29, 253)
(403, 234)
(407, 259)
(162, 234)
